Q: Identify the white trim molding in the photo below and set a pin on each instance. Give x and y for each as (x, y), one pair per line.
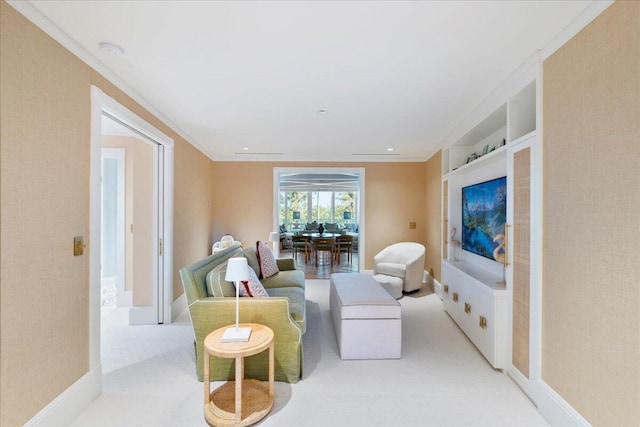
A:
(179, 305)
(556, 410)
(68, 406)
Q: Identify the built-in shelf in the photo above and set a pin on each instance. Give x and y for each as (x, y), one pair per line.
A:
(510, 122)
(498, 155)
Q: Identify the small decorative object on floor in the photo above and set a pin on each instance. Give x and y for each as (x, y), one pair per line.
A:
(320, 229)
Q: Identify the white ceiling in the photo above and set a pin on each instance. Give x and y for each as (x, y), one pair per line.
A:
(236, 75)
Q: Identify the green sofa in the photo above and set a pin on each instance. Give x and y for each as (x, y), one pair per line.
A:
(211, 301)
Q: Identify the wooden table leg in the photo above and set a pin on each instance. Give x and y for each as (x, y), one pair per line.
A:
(271, 366)
(239, 379)
(207, 389)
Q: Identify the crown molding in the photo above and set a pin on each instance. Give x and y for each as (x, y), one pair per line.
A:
(25, 8)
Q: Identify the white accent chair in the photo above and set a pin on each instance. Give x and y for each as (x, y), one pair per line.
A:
(225, 242)
(403, 260)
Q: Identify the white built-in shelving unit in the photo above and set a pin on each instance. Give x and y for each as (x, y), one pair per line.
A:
(470, 287)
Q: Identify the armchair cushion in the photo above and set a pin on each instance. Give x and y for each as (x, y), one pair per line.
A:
(391, 269)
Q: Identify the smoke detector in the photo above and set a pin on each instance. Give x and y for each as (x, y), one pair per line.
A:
(111, 48)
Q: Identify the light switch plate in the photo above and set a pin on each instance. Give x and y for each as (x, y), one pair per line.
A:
(78, 246)
(412, 225)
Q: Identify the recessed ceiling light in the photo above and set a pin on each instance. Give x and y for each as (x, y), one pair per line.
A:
(246, 148)
(111, 48)
(389, 149)
(322, 112)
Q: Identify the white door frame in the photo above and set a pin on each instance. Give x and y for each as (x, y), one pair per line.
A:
(311, 170)
(123, 298)
(102, 103)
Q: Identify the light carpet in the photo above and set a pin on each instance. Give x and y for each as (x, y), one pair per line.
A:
(441, 379)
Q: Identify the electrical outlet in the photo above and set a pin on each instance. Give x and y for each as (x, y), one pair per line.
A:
(412, 225)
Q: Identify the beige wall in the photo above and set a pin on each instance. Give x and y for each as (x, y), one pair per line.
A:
(433, 214)
(44, 188)
(395, 195)
(591, 291)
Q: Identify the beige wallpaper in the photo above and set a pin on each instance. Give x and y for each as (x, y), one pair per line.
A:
(44, 188)
(395, 195)
(433, 214)
(591, 291)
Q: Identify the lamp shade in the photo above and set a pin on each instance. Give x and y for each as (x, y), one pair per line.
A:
(346, 215)
(274, 237)
(237, 270)
(296, 214)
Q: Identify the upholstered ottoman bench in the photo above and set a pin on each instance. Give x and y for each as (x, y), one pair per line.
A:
(367, 320)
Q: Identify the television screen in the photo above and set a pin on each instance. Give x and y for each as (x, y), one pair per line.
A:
(484, 213)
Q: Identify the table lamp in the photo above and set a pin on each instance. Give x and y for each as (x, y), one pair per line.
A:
(273, 238)
(237, 271)
(296, 217)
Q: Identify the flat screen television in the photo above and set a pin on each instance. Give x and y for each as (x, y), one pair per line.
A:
(484, 213)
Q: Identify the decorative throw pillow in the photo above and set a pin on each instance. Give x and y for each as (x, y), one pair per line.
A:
(252, 287)
(268, 265)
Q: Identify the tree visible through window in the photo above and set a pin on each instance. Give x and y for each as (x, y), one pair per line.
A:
(300, 207)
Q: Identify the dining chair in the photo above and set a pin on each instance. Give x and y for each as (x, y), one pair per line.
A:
(324, 244)
(344, 244)
(301, 243)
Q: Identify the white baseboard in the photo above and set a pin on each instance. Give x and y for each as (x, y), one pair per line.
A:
(521, 381)
(178, 306)
(143, 315)
(65, 408)
(437, 288)
(555, 409)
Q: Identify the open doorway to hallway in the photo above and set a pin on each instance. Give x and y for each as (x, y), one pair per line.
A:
(143, 281)
(129, 207)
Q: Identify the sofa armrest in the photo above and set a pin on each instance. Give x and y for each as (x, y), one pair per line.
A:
(286, 264)
(209, 314)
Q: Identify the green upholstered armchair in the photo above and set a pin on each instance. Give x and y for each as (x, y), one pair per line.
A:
(209, 313)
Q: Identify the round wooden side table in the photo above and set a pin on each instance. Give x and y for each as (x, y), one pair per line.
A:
(244, 401)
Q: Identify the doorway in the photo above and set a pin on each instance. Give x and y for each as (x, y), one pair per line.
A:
(325, 195)
(115, 286)
(155, 308)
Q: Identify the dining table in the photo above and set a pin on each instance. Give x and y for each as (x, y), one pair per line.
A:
(313, 236)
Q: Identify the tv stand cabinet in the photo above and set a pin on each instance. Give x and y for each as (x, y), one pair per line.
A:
(478, 305)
